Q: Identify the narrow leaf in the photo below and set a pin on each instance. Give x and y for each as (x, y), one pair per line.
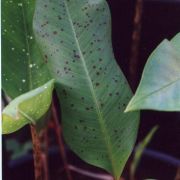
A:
(75, 37)
(160, 83)
(27, 108)
(140, 149)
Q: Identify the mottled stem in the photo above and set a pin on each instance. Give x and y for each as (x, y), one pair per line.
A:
(60, 141)
(38, 170)
(44, 153)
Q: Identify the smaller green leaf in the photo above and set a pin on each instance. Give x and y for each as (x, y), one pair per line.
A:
(27, 108)
(160, 83)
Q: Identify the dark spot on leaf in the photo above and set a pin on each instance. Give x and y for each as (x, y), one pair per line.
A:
(97, 84)
(115, 131)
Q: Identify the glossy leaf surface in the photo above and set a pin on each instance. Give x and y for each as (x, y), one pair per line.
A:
(159, 88)
(27, 108)
(22, 63)
(75, 37)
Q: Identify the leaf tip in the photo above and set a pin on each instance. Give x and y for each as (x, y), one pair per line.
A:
(129, 107)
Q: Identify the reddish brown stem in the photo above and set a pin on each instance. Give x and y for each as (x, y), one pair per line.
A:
(177, 174)
(133, 62)
(44, 154)
(58, 132)
(37, 154)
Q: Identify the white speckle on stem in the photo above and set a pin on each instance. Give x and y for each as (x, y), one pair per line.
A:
(23, 80)
(12, 48)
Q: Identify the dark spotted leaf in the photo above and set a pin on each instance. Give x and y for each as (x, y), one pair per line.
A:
(75, 37)
(160, 83)
(27, 108)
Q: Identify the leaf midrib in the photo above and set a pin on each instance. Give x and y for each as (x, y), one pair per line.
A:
(99, 113)
(28, 49)
(32, 121)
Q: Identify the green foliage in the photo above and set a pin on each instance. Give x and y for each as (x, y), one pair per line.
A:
(75, 38)
(27, 108)
(22, 68)
(22, 63)
(160, 83)
(17, 149)
(140, 149)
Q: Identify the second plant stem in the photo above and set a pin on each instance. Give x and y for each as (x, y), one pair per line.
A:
(58, 132)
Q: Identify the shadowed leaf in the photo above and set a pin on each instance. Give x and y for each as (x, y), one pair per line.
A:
(22, 64)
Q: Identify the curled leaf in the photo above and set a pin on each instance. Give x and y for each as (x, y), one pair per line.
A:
(27, 108)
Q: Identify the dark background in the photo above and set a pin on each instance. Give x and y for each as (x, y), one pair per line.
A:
(161, 19)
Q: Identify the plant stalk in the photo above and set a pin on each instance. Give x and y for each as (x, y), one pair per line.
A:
(58, 132)
(38, 170)
(136, 35)
(44, 154)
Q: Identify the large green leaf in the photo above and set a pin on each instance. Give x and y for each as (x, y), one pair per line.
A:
(159, 88)
(22, 64)
(75, 37)
(27, 108)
